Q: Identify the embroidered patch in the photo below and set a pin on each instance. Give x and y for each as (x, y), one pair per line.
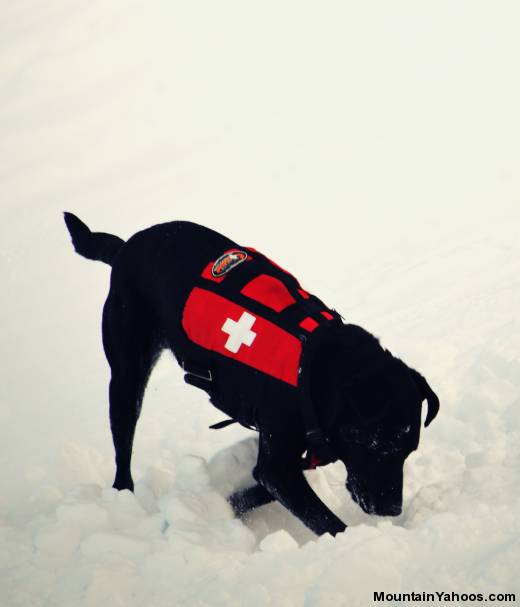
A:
(227, 262)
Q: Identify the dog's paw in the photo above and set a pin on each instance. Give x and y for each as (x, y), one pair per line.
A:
(245, 500)
(123, 483)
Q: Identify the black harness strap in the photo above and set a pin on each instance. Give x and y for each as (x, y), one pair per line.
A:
(223, 424)
(318, 444)
(227, 422)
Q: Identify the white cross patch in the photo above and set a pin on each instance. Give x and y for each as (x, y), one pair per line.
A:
(239, 332)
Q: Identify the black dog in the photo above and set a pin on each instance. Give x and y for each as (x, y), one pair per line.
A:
(269, 354)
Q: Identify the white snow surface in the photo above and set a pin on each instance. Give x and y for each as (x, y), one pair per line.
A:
(372, 148)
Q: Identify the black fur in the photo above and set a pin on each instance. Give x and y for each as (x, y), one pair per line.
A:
(368, 403)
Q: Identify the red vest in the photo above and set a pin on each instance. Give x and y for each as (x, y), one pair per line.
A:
(260, 317)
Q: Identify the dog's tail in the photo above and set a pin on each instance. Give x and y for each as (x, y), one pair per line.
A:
(92, 245)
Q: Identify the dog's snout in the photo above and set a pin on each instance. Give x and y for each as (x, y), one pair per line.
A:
(381, 504)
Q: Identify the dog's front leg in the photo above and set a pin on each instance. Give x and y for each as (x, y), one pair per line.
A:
(279, 471)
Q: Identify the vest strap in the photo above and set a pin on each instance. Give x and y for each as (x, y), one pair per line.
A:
(317, 443)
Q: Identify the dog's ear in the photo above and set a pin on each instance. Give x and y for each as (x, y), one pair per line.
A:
(428, 394)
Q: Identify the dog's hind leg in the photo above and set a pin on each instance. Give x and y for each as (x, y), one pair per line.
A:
(131, 351)
(245, 500)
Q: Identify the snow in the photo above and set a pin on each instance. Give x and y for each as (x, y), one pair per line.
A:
(372, 149)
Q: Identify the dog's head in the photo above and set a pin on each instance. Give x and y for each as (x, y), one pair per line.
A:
(379, 421)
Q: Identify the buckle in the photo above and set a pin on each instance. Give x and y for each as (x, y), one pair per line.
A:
(197, 371)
